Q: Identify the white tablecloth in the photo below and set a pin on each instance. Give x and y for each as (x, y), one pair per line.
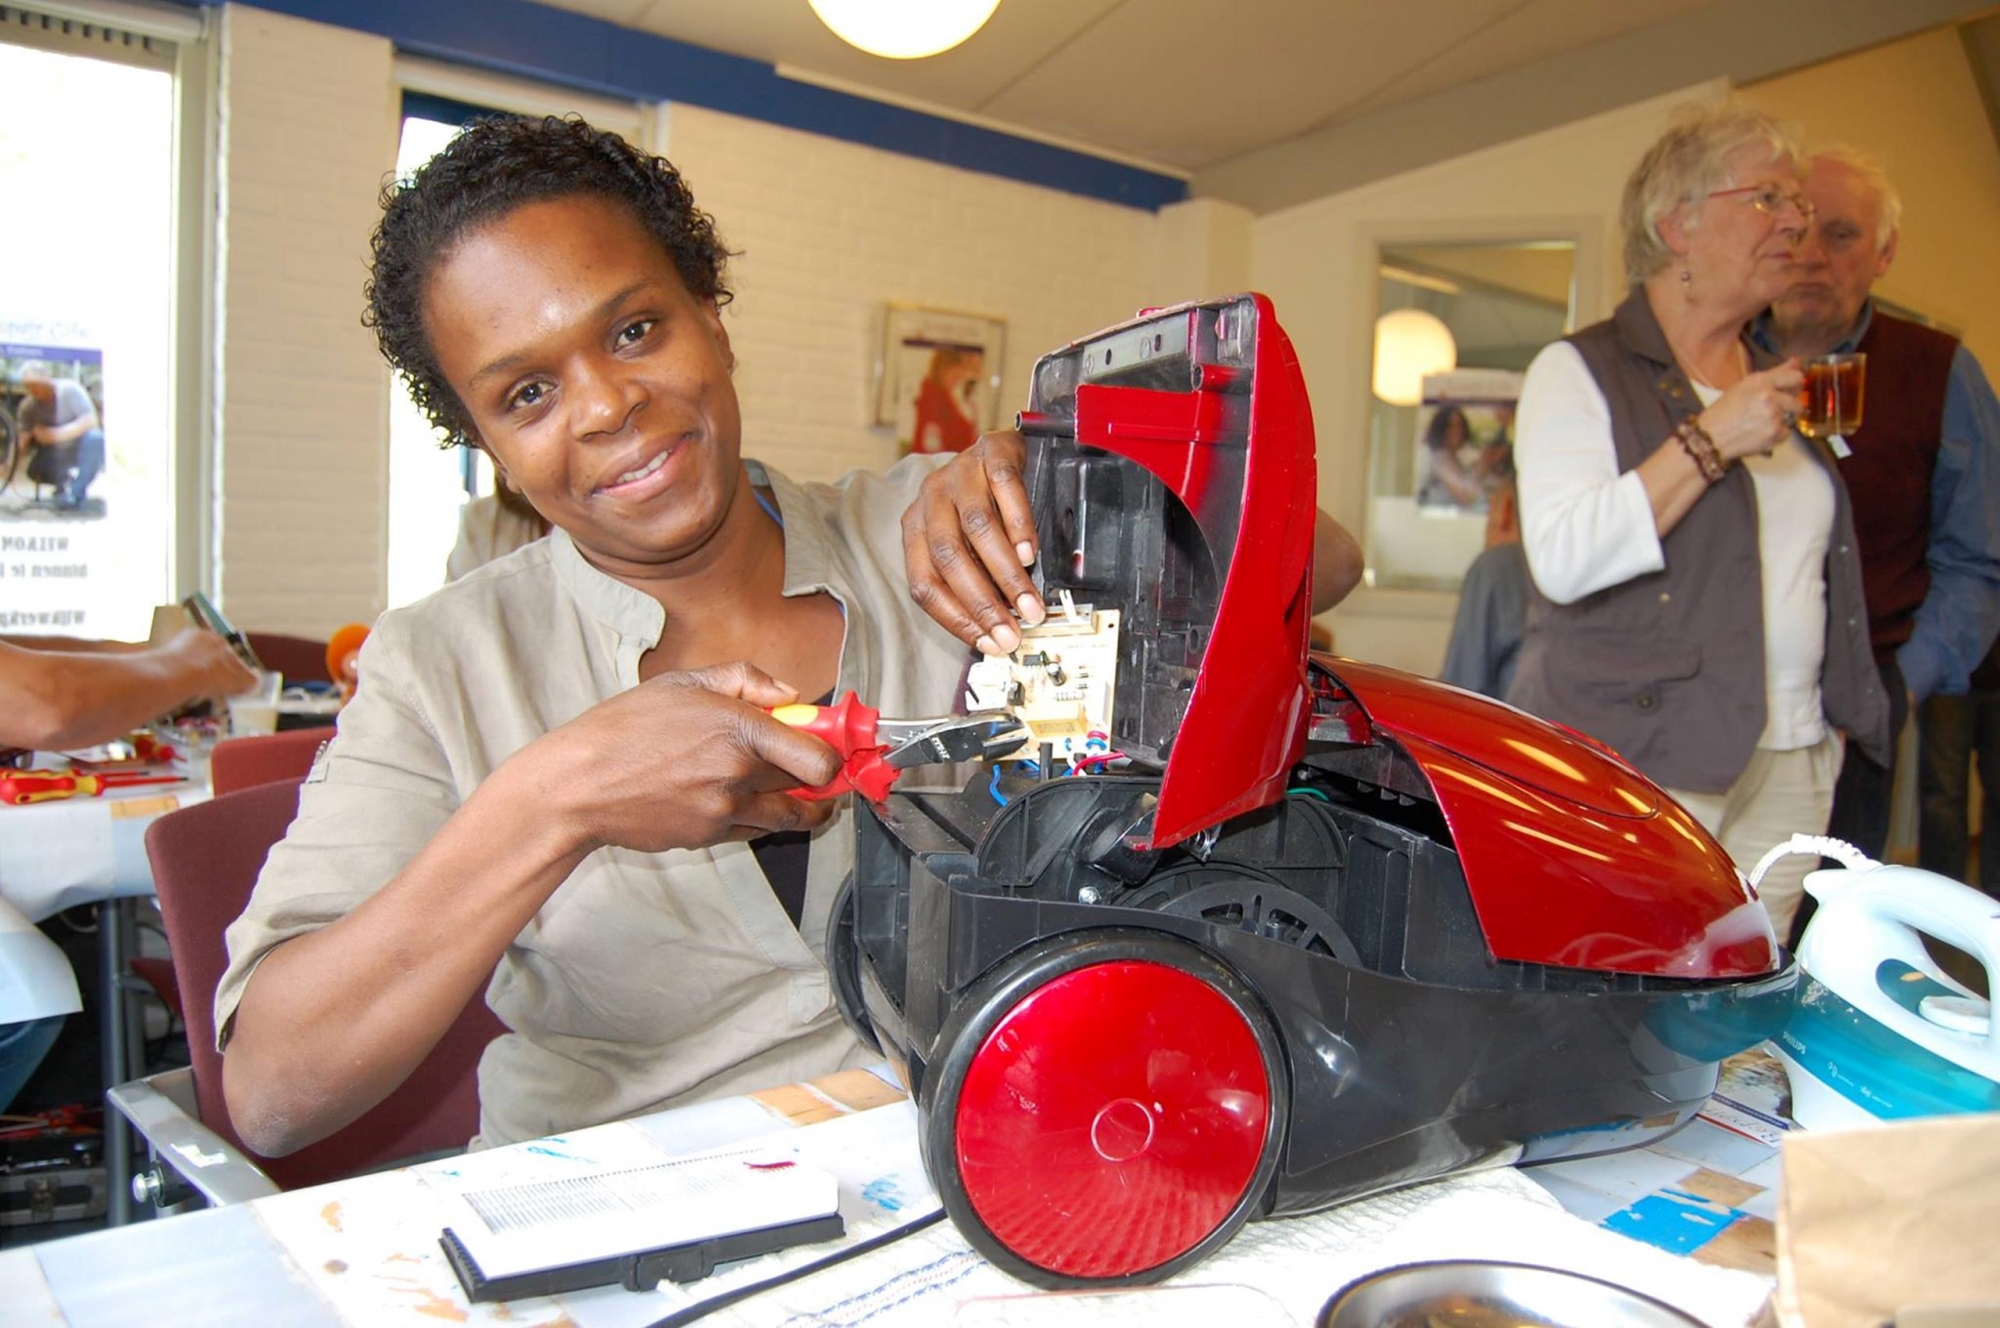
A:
(56, 855)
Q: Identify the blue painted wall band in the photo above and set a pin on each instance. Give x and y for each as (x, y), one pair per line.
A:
(591, 55)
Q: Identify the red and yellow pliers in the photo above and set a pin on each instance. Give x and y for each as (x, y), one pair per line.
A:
(875, 751)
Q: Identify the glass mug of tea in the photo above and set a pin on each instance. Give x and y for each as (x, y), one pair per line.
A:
(1830, 399)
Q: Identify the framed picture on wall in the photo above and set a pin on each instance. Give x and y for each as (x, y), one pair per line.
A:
(939, 377)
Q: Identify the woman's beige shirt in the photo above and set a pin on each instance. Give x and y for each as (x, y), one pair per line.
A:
(648, 979)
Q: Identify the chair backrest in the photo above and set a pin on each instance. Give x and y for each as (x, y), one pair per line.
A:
(264, 758)
(205, 860)
(299, 659)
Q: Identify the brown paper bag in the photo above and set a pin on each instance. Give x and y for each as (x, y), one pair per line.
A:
(1899, 1218)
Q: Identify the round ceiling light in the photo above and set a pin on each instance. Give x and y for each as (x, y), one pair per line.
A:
(1410, 345)
(904, 29)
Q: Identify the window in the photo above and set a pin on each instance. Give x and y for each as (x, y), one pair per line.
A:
(87, 328)
(429, 484)
(1459, 323)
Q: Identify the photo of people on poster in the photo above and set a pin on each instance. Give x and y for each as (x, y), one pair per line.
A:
(51, 431)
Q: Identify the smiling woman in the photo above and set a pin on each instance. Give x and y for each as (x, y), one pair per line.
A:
(542, 792)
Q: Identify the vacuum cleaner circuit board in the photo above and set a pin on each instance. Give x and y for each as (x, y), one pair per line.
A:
(1060, 682)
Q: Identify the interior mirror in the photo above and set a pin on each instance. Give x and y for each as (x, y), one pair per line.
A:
(1456, 326)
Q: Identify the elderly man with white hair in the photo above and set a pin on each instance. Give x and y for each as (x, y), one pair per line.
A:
(1921, 469)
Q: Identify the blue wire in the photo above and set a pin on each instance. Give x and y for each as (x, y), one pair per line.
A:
(1310, 793)
(994, 788)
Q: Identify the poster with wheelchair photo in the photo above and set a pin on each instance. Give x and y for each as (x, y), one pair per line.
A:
(1465, 435)
(51, 432)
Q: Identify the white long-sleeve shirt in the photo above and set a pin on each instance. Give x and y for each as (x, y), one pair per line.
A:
(1586, 527)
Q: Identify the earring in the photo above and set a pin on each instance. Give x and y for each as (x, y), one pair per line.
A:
(1687, 283)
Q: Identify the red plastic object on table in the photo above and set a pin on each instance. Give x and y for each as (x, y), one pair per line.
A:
(343, 650)
(19, 788)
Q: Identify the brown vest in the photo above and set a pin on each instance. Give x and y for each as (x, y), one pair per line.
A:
(1668, 668)
(1895, 455)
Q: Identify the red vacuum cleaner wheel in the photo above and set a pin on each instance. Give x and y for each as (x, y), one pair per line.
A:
(1112, 1119)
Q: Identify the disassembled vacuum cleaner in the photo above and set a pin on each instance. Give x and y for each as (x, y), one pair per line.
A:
(1246, 930)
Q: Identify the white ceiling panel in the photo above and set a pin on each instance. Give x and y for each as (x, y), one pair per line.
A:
(1192, 83)
(1528, 32)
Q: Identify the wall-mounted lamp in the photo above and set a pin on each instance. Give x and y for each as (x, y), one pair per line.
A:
(904, 29)
(1410, 345)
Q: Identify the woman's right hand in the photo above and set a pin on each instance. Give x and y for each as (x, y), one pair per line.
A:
(1757, 413)
(683, 760)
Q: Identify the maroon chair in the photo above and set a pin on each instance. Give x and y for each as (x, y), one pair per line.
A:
(205, 860)
(298, 658)
(237, 763)
(264, 758)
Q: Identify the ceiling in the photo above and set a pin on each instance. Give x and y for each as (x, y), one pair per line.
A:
(1191, 85)
(1211, 90)
(1179, 84)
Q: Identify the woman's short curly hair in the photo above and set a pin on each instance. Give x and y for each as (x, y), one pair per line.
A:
(1688, 161)
(494, 166)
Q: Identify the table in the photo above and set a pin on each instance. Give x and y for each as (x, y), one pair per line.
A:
(363, 1251)
(58, 855)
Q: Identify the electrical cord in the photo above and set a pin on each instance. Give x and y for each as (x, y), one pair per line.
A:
(1823, 846)
(701, 1310)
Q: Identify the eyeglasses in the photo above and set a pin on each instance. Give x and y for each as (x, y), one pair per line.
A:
(1772, 199)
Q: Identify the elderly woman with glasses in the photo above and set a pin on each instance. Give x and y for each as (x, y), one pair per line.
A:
(1697, 595)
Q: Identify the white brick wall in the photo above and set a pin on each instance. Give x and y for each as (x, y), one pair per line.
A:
(828, 232)
(308, 120)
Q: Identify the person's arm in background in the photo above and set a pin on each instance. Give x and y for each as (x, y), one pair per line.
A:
(1584, 525)
(1337, 562)
(76, 645)
(1957, 621)
(971, 533)
(53, 700)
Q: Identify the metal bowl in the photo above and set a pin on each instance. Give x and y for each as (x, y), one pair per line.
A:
(1474, 1293)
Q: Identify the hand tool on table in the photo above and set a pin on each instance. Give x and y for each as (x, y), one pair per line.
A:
(18, 788)
(875, 751)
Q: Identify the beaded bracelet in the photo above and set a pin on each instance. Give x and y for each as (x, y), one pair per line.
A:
(1694, 440)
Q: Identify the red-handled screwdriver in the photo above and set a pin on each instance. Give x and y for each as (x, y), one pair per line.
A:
(18, 788)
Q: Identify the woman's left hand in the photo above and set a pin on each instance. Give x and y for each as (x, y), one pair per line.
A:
(967, 538)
